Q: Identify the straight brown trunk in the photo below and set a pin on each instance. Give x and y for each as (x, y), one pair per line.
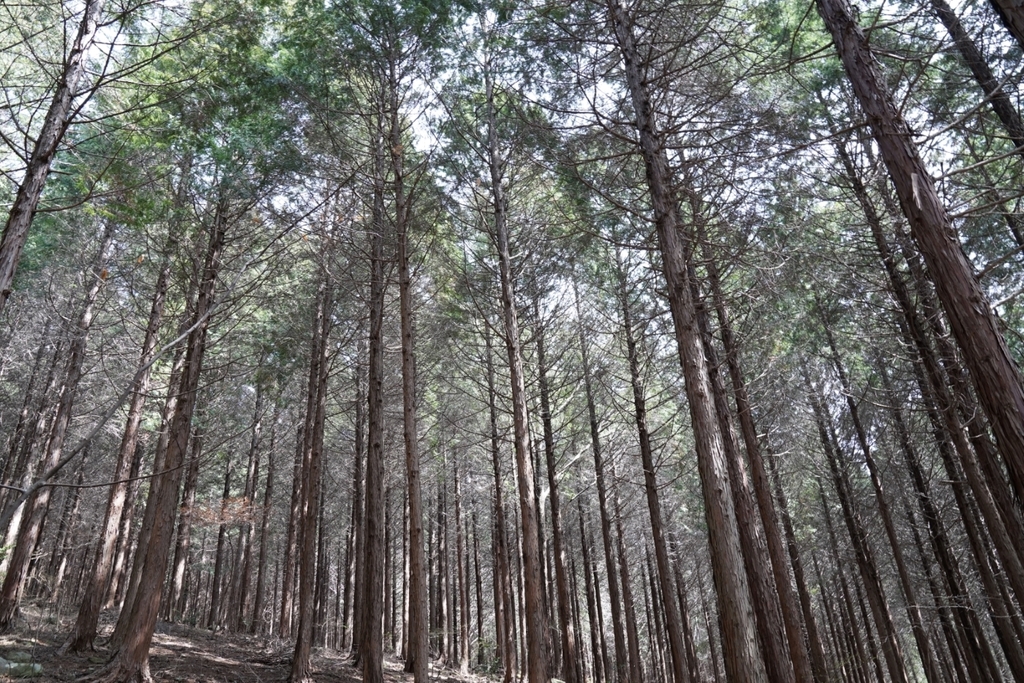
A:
(913, 610)
(291, 541)
(806, 608)
(259, 621)
(570, 666)
(55, 125)
(175, 603)
(371, 582)
(37, 505)
(628, 608)
(502, 573)
(131, 660)
(480, 653)
(846, 607)
(533, 612)
(417, 662)
(127, 591)
(742, 659)
(115, 587)
(598, 649)
(621, 653)
(309, 496)
(778, 662)
(862, 551)
(86, 624)
(995, 375)
(1012, 16)
(807, 666)
(240, 583)
(354, 571)
(213, 618)
(975, 60)
(463, 589)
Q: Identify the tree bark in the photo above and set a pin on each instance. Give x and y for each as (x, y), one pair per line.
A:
(55, 125)
(312, 456)
(924, 645)
(891, 648)
(1012, 16)
(213, 618)
(814, 640)
(86, 624)
(536, 619)
(372, 579)
(598, 648)
(975, 60)
(354, 572)
(417, 662)
(621, 653)
(291, 540)
(259, 621)
(175, 603)
(742, 659)
(502, 574)
(673, 627)
(807, 666)
(131, 660)
(570, 666)
(37, 505)
(240, 583)
(974, 325)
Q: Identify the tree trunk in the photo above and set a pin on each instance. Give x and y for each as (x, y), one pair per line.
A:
(417, 663)
(354, 571)
(84, 632)
(862, 550)
(628, 608)
(768, 612)
(12, 465)
(742, 659)
(1012, 16)
(463, 591)
(55, 125)
(807, 666)
(814, 640)
(621, 653)
(309, 494)
(502, 573)
(63, 552)
(598, 648)
(259, 621)
(115, 587)
(536, 619)
(372, 579)
(680, 673)
(913, 610)
(570, 665)
(975, 327)
(975, 60)
(131, 660)
(213, 619)
(291, 540)
(36, 506)
(175, 603)
(240, 590)
(480, 654)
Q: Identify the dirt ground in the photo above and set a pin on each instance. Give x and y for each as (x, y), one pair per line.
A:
(184, 654)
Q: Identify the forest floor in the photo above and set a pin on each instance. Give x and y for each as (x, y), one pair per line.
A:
(186, 654)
